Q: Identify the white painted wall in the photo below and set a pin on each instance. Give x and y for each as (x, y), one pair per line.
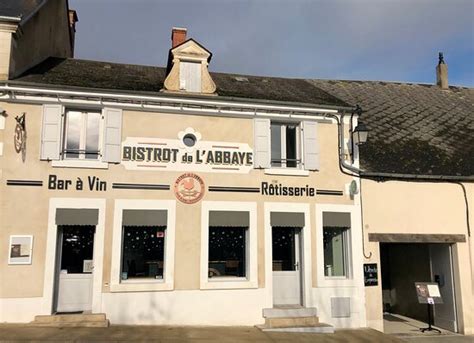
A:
(196, 307)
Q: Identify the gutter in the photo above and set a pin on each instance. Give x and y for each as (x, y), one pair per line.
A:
(118, 92)
(173, 99)
(10, 19)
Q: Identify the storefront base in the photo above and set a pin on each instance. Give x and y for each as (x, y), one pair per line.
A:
(20, 310)
(194, 307)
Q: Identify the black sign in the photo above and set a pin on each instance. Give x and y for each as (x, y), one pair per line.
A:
(370, 274)
(428, 293)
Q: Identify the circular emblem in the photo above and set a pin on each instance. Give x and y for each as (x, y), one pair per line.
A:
(189, 188)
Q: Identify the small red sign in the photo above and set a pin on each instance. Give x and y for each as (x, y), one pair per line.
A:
(189, 188)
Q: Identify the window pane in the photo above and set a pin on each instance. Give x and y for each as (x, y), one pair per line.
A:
(92, 135)
(73, 133)
(227, 247)
(77, 247)
(276, 144)
(291, 146)
(283, 244)
(143, 252)
(334, 251)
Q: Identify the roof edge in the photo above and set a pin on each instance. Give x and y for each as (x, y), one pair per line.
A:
(170, 95)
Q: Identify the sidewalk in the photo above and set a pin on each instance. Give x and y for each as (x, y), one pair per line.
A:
(24, 333)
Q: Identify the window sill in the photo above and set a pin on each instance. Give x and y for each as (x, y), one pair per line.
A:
(79, 164)
(287, 171)
(228, 283)
(142, 286)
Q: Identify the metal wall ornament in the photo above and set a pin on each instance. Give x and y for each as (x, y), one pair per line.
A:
(19, 137)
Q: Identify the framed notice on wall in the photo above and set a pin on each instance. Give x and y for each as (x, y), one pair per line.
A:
(20, 249)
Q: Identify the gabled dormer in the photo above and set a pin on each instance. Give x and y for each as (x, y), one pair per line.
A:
(188, 63)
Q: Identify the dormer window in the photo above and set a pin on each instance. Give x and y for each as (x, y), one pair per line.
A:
(188, 66)
(190, 76)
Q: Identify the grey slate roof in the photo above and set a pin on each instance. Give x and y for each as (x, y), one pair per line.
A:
(18, 8)
(129, 77)
(415, 129)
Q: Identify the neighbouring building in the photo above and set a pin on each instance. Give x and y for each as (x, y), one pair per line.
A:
(174, 195)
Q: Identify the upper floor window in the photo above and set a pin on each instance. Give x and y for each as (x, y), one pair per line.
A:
(82, 135)
(81, 138)
(285, 144)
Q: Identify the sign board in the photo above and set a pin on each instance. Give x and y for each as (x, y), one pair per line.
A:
(428, 293)
(187, 153)
(370, 274)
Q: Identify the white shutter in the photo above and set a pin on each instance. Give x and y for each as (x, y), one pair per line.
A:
(111, 151)
(262, 143)
(190, 76)
(310, 145)
(51, 132)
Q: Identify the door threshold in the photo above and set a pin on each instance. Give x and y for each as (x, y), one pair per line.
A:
(288, 306)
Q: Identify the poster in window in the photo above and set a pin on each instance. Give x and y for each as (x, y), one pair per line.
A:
(21, 249)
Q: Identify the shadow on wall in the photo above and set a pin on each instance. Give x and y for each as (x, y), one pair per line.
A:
(402, 265)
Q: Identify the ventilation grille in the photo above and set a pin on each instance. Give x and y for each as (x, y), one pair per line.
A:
(341, 307)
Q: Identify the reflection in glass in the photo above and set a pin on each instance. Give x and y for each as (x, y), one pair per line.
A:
(227, 248)
(291, 146)
(143, 252)
(92, 135)
(334, 241)
(77, 246)
(73, 133)
(276, 144)
(283, 248)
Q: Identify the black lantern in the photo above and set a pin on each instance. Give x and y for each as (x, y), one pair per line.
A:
(360, 134)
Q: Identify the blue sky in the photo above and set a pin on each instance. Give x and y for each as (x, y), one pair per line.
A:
(328, 39)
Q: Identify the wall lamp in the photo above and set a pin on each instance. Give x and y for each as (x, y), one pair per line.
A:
(360, 133)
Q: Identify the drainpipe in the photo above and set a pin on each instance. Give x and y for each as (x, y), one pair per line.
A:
(381, 177)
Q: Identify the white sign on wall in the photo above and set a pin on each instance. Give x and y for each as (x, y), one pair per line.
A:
(187, 153)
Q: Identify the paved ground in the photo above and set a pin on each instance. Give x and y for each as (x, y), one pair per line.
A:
(21, 333)
(408, 329)
(163, 334)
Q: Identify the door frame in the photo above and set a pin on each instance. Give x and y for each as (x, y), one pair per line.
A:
(298, 259)
(453, 282)
(57, 269)
(51, 250)
(305, 250)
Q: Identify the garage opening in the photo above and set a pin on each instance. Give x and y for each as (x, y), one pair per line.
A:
(403, 264)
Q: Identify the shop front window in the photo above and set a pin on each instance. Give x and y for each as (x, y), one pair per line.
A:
(143, 252)
(336, 230)
(227, 251)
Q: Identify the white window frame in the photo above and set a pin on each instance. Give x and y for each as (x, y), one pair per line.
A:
(137, 285)
(251, 272)
(353, 247)
(346, 236)
(299, 146)
(81, 161)
(83, 134)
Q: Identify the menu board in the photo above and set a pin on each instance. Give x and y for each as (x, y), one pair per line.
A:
(428, 293)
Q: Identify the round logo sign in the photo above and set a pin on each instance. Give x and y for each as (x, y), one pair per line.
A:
(189, 188)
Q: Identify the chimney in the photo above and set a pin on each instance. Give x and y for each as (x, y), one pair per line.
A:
(178, 36)
(72, 16)
(442, 73)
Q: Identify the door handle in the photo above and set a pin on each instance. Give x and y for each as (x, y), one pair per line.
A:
(296, 265)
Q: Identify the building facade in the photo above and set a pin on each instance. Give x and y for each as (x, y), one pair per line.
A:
(179, 196)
